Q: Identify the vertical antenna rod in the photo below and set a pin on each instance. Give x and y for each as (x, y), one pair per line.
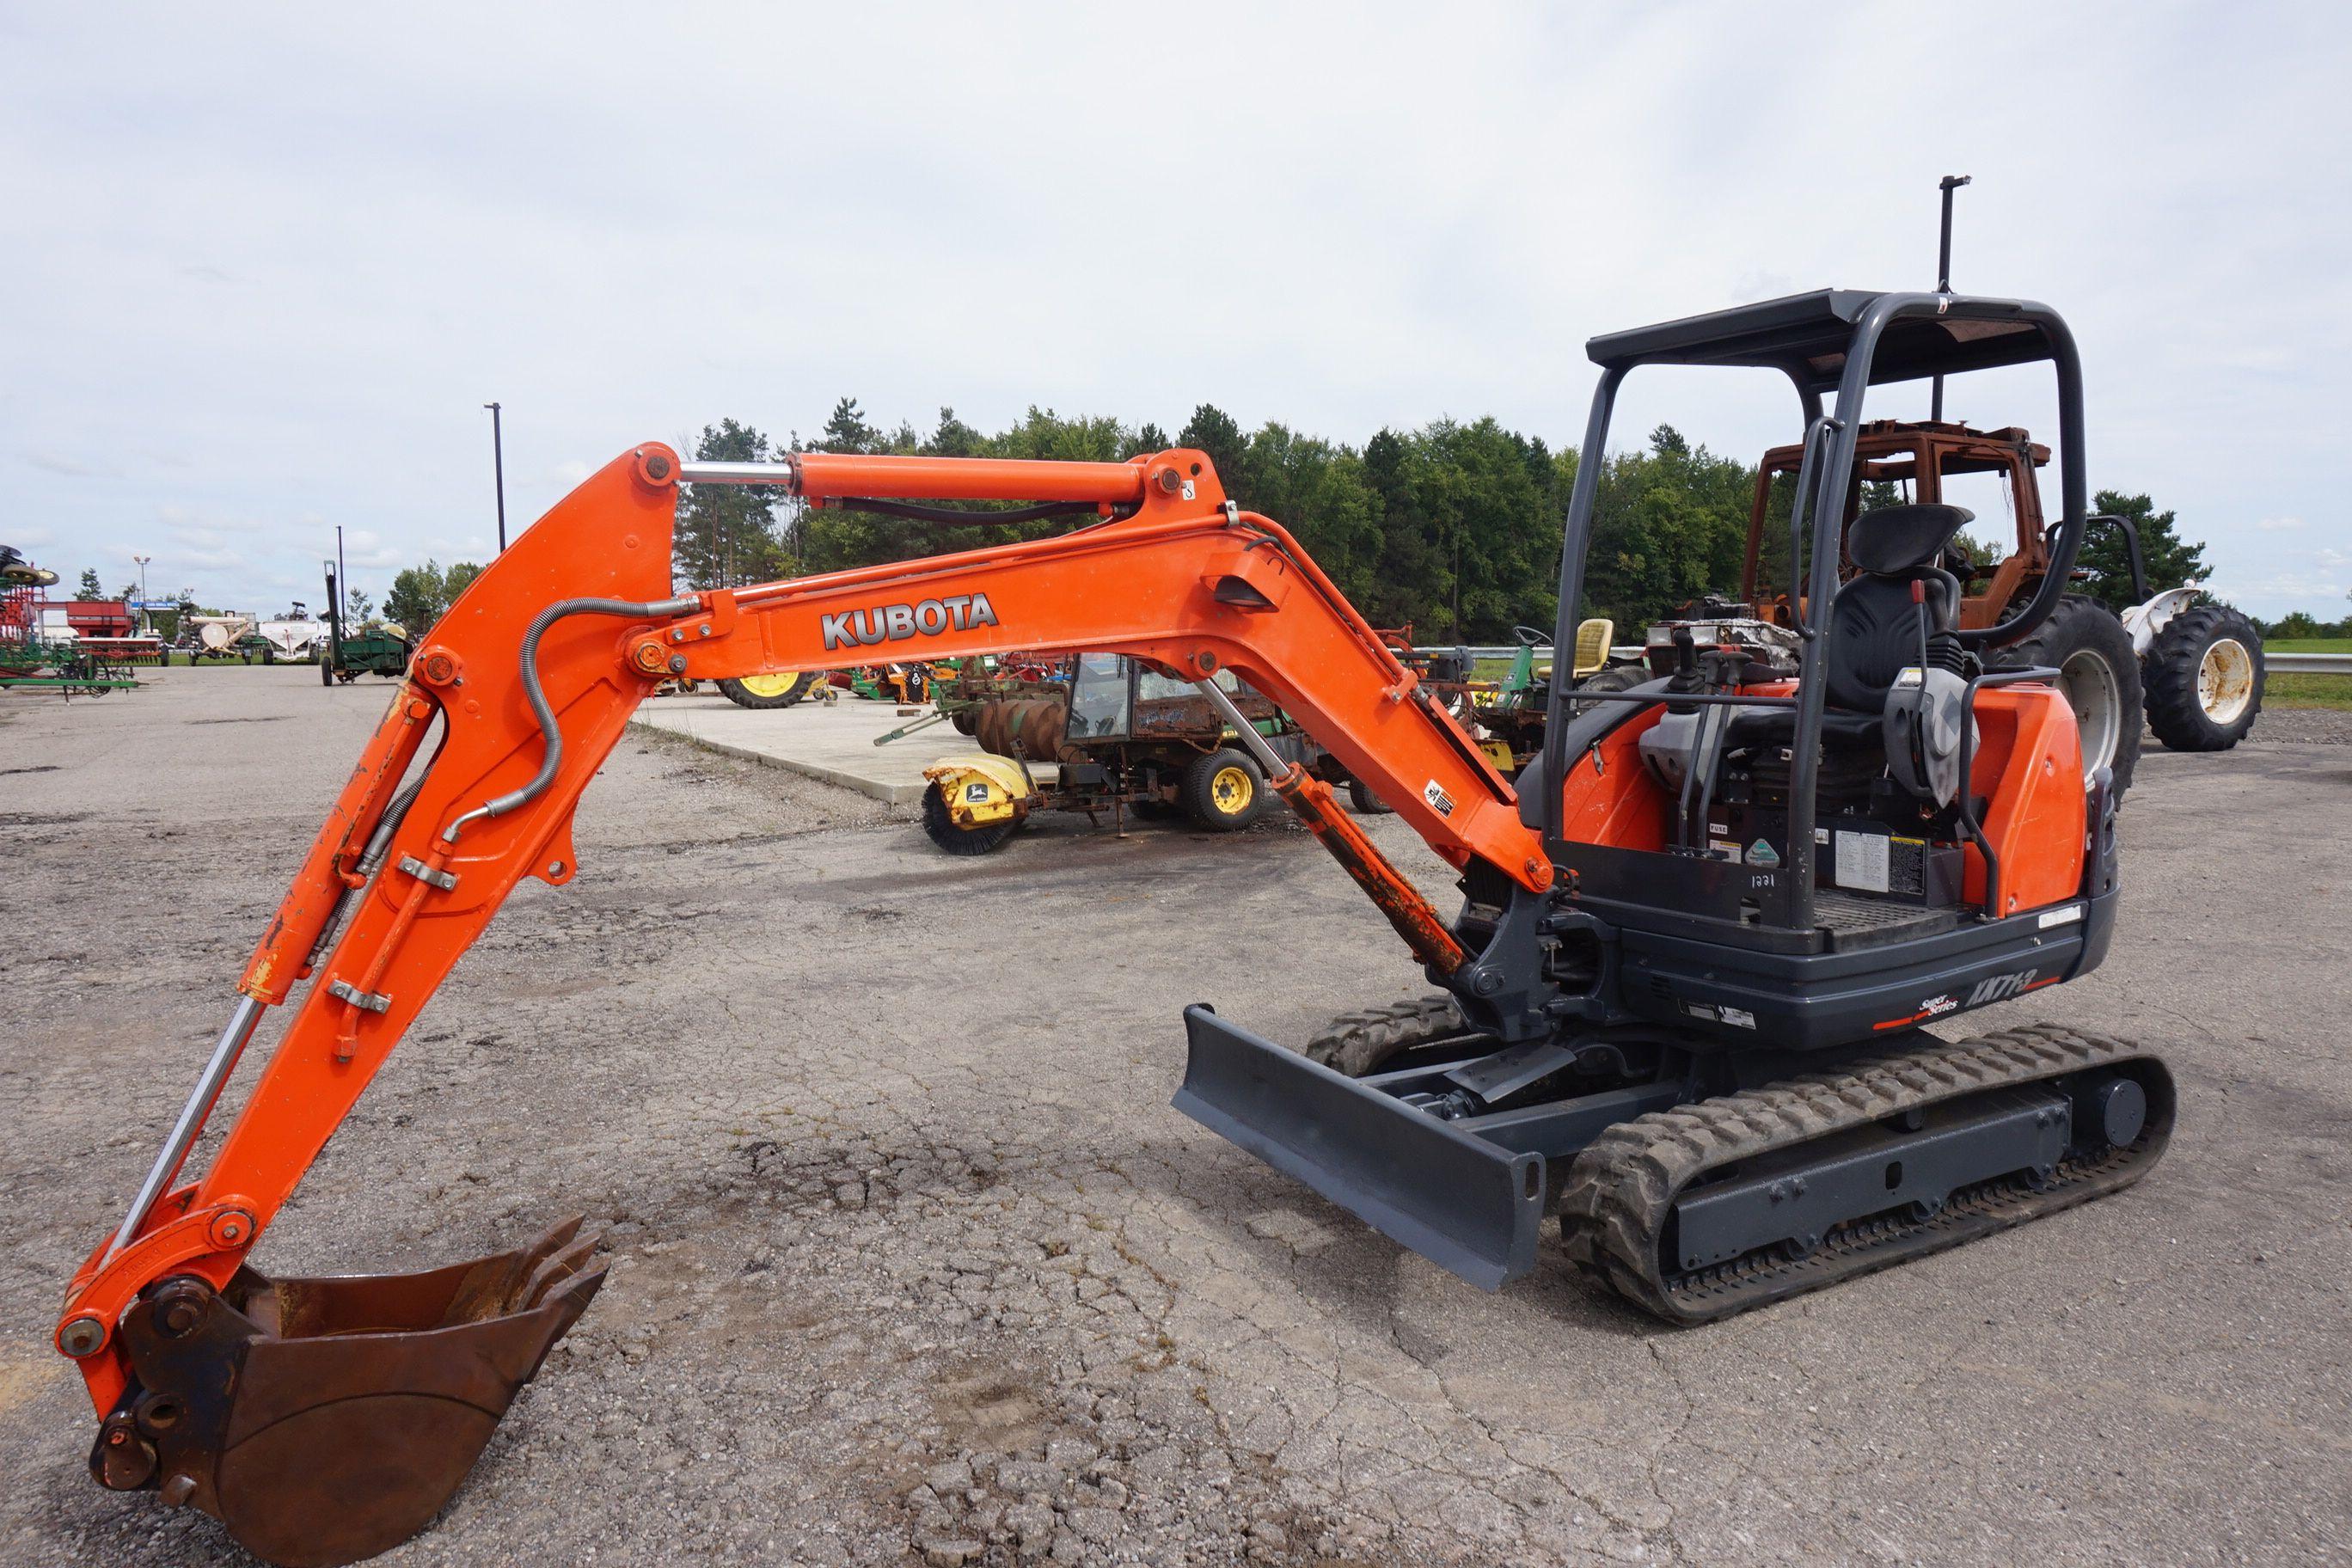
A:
(499, 440)
(1950, 184)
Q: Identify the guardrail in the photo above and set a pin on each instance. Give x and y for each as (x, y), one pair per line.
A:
(2277, 663)
(1510, 650)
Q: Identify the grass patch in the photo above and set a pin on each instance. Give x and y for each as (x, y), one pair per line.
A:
(2284, 690)
(2309, 690)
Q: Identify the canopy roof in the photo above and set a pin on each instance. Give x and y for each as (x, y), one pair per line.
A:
(1808, 335)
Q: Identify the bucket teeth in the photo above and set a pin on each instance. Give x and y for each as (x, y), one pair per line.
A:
(325, 1420)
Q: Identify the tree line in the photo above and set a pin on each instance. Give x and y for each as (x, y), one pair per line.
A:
(1454, 527)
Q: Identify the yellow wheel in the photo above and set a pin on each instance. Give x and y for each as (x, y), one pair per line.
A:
(1232, 789)
(1222, 791)
(769, 691)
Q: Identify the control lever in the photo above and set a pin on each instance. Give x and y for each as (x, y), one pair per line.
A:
(1919, 703)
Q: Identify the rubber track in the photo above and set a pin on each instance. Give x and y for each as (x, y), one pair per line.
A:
(1621, 1189)
(1357, 1043)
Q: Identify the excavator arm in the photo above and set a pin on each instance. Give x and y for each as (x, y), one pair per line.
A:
(520, 691)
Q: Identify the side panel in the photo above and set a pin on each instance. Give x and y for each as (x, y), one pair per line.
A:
(2031, 768)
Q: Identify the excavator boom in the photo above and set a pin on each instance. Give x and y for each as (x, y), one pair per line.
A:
(522, 689)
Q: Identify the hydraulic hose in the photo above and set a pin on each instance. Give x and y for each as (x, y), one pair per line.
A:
(537, 696)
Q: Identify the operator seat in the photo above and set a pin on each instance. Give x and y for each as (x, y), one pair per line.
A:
(1873, 631)
(1873, 636)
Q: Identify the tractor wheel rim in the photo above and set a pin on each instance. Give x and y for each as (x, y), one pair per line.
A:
(2225, 680)
(1230, 789)
(768, 685)
(2089, 683)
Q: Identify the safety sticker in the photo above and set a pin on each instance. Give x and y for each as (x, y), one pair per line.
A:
(2065, 916)
(1862, 861)
(1439, 801)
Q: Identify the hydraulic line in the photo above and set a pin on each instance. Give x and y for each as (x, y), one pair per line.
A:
(536, 695)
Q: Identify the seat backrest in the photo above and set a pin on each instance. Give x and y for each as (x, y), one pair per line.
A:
(1592, 639)
(1874, 633)
(1874, 627)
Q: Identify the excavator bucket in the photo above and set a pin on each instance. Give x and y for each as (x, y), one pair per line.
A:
(327, 1420)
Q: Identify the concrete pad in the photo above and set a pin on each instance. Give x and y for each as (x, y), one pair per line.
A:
(828, 740)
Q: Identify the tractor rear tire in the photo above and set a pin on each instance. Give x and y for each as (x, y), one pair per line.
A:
(2099, 676)
(1362, 801)
(940, 827)
(2204, 677)
(1224, 792)
(768, 691)
(326, 672)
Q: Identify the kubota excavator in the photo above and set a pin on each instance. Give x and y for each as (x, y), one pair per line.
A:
(1681, 1001)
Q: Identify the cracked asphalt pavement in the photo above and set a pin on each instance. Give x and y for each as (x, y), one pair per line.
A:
(912, 1263)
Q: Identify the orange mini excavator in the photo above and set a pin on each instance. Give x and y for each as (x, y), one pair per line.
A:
(1680, 1004)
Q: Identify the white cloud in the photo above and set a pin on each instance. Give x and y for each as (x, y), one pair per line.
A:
(70, 467)
(2277, 524)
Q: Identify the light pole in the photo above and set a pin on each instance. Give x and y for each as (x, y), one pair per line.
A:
(499, 463)
(145, 624)
(1950, 184)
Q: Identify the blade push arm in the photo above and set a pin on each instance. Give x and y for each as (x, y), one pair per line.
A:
(531, 677)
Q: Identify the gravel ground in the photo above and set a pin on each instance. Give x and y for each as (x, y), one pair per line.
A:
(2301, 727)
(912, 1263)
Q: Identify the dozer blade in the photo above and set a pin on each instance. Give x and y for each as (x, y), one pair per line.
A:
(1460, 1200)
(327, 1420)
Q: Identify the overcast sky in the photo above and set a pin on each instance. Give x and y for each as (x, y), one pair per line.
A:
(263, 268)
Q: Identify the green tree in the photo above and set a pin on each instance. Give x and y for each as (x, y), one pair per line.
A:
(358, 605)
(726, 534)
(1212, 430)
(89, 588)
(847, 430)
(2171, 561)
(417, 597)
(1669, 525)
(1317, 490)
(1407, 583)
(455, 580)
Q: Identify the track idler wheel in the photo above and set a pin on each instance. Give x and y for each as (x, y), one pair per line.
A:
(326, 1420)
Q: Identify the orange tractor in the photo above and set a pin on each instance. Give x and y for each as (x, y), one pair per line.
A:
(1679, 1004)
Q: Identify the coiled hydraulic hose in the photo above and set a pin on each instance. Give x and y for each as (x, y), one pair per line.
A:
(537, 697)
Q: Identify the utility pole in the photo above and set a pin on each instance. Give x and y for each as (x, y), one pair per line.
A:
(1950, 184)
(145, 624)
(499, 464)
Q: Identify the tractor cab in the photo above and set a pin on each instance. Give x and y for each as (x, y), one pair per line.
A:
(1913, 460)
